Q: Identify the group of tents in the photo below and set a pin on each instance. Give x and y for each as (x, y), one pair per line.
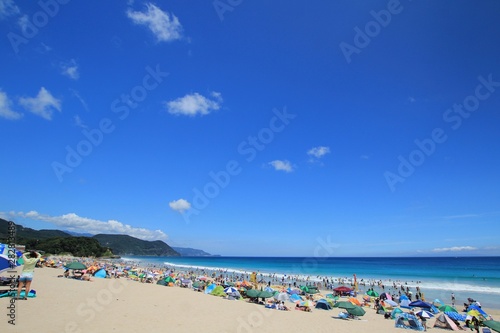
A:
(446, 317)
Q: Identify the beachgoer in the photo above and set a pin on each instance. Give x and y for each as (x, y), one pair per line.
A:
(26, 277)
(453, 299)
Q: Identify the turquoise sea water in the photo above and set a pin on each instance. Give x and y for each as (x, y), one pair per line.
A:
(474, 277)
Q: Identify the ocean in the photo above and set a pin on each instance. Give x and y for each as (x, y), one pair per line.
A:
(437, 277)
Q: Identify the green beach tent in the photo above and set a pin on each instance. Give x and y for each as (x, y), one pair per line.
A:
(356, 311)
(344, 305)
(493, 324)
(447, 308)
(218, 291)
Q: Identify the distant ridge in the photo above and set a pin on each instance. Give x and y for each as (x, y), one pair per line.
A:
(189, 252)
(128, 245)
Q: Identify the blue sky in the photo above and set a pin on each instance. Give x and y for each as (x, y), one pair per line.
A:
(274, 128)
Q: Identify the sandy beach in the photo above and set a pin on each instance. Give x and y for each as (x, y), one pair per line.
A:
(122, 305)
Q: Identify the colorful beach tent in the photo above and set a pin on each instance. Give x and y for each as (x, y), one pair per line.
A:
(447, 308)
(408, 321)
(323, 304)
(210, 288)
(218, 291)
(456, 316)
(295, 298)
(396, 312)
(404, 302)
(354, 301)
(420, 304)
(344, 305)
(356, 311)
(372, 293)
(100, 273)
(443, 321)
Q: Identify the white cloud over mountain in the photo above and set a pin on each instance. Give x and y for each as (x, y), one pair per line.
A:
(73, 222)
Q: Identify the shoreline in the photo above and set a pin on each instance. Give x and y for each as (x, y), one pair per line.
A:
(432, 289)
(127, 305)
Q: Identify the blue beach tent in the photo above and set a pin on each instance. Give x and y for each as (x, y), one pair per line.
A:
(100, 273)
(408, 321)
(420, 304)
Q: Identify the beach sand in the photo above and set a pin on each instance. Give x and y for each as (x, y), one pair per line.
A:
(121, 305)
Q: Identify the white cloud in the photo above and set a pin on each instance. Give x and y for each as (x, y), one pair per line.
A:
(42, 105)
(73, 222)
(318, 152)
(282, 165)
(180, 205)
(79, 122)
(70, 69)
(5, 107)
(166, 27)
(8, 8)
(75, 94)
(455, 249)
(193, 104)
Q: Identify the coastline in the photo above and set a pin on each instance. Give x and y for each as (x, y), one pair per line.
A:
(125, 305)
(432, 288)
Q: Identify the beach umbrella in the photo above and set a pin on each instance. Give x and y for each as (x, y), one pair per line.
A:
(356, 311)
(253, 293)
(230, 290)
(344, 305)
(281, 297)
(343, 289)
(493, 324)
(265, 294)
(76, 265)
(424, 314)
(447, 308)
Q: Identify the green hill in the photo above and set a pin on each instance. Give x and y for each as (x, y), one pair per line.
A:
(24, 234)
(127, 245)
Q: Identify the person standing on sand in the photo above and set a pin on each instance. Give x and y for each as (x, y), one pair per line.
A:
(26, 277)
(453, 299)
